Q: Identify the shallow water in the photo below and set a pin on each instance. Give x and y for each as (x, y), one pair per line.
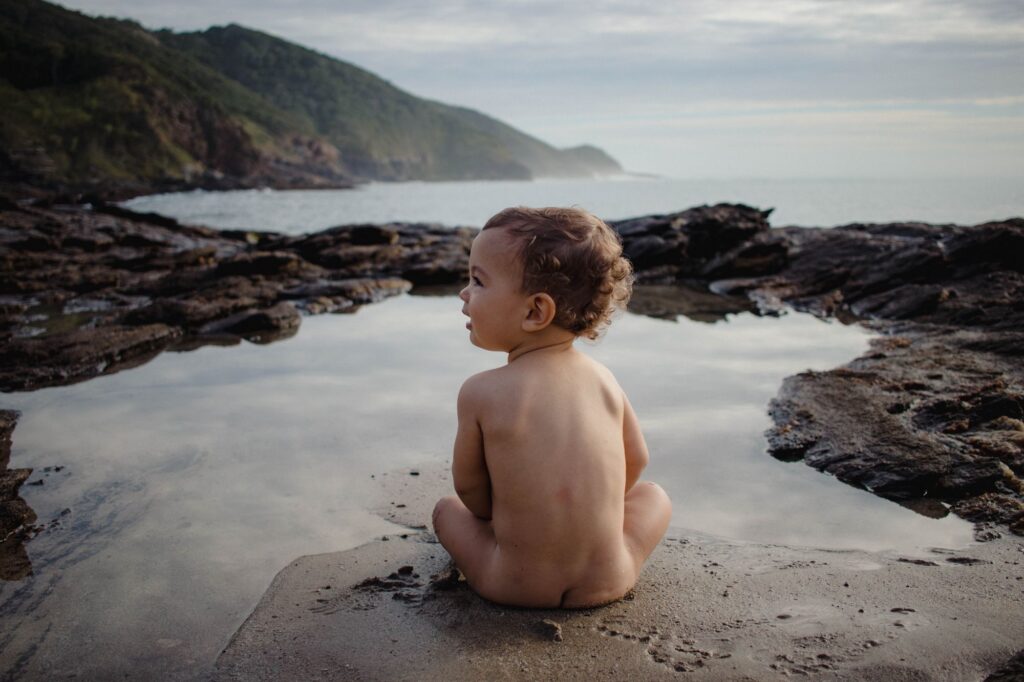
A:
(193, 479)
(808, 202)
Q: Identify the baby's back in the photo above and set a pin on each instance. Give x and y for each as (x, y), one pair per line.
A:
(553, 443)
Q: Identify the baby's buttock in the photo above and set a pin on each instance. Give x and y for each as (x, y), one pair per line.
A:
(586, 578)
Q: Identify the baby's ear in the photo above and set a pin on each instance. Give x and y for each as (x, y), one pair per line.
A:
(540, 314)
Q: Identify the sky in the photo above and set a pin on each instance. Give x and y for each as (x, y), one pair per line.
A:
(699, 89)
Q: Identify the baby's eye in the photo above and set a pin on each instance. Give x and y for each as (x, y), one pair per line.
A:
(476, 281)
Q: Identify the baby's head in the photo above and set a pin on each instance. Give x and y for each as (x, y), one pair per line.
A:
(575, 258)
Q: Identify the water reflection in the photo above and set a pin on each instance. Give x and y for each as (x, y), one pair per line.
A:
(672, 301)
(193, 479)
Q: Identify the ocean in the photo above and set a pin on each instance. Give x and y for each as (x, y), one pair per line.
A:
(804, 202)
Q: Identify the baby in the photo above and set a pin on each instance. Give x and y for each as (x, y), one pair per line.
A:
(548, 452)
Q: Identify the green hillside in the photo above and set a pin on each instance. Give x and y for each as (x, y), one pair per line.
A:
(380, 130)
(94, 101)
(104, 102)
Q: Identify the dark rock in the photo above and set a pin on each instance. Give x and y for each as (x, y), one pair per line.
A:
(841, 422)
(966, 561)
(16, 517)
(941, 418)
(362, 235)
(682, 244)
(359, 260)
(262, 263)
(669, 301)
(649, 251)
(34, 362)
(926, 506)
(904, 302)
(991, 507)
(936, 274)
(277, 320)
(101, 206)
(193, 305)
(1011, 671)
(757, 257)
(358, 290)
(989, 246)
(549, 629)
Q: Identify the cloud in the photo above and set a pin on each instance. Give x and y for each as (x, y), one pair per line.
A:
(395, 25)
(633, 76)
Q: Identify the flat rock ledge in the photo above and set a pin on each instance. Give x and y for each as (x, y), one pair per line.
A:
(707, 607)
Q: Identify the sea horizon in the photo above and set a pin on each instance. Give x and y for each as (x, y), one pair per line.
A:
(808, 202)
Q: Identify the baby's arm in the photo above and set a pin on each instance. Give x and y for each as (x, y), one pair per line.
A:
(469, 469)
(636, 449)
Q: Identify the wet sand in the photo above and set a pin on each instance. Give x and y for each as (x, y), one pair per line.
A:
(706, 606)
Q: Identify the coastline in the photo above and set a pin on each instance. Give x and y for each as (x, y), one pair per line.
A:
(90, 290)
(117, 288)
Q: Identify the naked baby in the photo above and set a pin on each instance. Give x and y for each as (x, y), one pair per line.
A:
(549, 509)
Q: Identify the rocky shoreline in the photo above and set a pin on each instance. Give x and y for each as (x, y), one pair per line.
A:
(932, 416)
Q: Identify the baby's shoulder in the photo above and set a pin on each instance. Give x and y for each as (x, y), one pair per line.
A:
(591, 366)
(488, 393)
(482, 384)
(601, 382)
(500, 384)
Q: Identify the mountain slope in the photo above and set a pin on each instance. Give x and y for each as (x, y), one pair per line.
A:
(99, 102)
(380, 130)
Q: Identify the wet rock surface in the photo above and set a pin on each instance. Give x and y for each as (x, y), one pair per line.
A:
(90, 290)
(1010, 671)
(932, 414)
(16, 518)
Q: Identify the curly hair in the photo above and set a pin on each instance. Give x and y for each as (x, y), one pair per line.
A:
(575, 258)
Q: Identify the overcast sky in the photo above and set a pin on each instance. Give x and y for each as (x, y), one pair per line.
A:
(707, 88)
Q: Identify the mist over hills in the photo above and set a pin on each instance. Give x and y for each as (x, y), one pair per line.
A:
(104, 103)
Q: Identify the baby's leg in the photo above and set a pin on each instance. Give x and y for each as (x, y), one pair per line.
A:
(469, 539)
(471, 542)
(648, 512)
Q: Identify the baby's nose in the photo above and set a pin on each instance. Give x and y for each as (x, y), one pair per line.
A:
(464, 295)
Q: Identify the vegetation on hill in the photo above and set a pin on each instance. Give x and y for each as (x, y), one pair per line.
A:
(104, 102)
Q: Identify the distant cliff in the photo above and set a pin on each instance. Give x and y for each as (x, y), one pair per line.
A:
(103, 103)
